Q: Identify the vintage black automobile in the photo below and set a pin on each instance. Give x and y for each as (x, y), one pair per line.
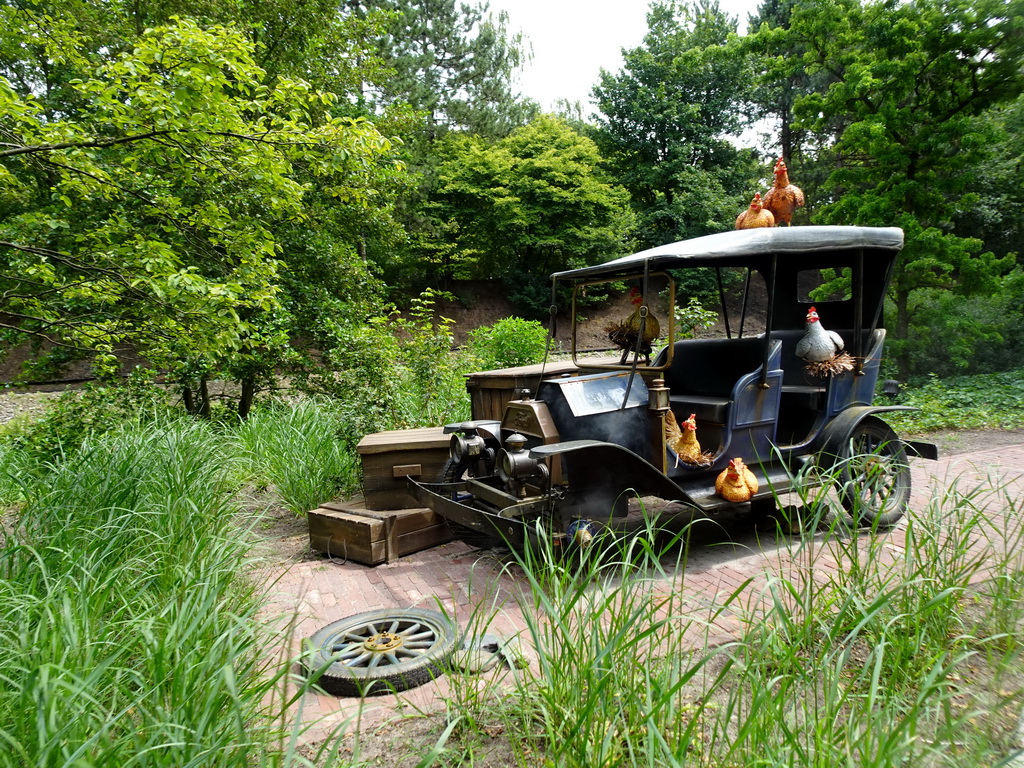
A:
(580, 446)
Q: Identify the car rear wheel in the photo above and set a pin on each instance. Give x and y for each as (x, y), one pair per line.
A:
(874, 474)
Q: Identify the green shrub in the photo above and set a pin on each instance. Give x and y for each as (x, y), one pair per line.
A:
(508, 342)
(431, 389)
(985, 401)
(90, 412)
(304, 450)
(981, 333)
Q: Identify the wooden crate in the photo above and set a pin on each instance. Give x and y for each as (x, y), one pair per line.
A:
(489, 391)
(390, 457)
(351, 531)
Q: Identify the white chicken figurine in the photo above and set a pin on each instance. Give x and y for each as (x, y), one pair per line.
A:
(823, 350)
(817, 344)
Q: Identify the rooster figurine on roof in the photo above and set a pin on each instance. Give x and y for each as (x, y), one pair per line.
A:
(783, 198)
(823, 350)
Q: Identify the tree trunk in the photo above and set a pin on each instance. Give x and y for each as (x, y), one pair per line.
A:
(204, 399)
(188, 400)
(246, 398)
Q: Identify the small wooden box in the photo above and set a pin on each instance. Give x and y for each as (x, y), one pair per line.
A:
(349, 530)
(489, 391)
(389, 457)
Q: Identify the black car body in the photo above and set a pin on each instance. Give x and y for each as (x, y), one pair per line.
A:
(580, 446)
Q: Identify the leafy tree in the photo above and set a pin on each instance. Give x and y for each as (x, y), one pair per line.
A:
(451, 61)
(527, 205)
(908, 82)
(153, 209)
(666, 119)
(995, 184)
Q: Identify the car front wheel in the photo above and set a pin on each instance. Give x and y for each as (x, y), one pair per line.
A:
(874, 475)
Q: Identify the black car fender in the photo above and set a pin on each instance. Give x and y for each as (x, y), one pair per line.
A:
(831, 442)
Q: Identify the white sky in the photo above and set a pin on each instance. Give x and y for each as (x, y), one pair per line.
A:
(573, 39)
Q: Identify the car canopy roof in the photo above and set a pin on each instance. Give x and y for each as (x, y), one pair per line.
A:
(742, 246)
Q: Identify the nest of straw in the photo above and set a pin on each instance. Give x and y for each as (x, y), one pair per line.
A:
(704, 460)
(835, 366)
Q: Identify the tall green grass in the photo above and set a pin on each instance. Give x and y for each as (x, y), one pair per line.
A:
(864, 649)
(304, 450)
(129, 629)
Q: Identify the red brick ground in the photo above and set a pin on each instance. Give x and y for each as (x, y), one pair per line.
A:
(723, 557)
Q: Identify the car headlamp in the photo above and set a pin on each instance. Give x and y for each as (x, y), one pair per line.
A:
(468, 446)
(516, 466)
(514, 463)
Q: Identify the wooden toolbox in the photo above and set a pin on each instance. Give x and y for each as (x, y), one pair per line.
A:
(389, 457)
(490, 391)
(351, 531)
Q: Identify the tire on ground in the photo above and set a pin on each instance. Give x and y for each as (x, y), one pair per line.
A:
(380, 652)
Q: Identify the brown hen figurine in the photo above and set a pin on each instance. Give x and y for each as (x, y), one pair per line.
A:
(736, 482)
(755, 216)
(683, 439)
(783, 198)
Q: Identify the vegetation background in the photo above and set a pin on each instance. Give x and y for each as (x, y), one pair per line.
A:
(254, 193)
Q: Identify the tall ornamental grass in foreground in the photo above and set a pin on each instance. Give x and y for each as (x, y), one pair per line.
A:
(864, 649)
(128, 623)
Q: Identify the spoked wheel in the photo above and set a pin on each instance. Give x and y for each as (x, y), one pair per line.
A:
(874, 475)
(379, 652)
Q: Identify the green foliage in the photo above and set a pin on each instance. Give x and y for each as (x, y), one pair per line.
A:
(898, 121)
(693, 318)
(432, 390)
(847, 652)
(982, 333)
(531, 203)
(87, 414)
(994, 185)
(666, 119)
(508, 342)
(452, 62)
(304, 450)
(129, 629)
(175, 198)
(984, 401)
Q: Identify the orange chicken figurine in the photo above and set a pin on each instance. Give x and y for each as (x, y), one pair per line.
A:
(783, 198)
(755, 216)
(683, 440)
(736, 482)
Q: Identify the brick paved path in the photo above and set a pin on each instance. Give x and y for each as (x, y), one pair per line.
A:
(723, 557)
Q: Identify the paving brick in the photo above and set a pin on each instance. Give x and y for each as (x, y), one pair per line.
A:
(473, 585)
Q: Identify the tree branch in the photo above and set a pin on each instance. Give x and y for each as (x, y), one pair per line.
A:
(37, 148)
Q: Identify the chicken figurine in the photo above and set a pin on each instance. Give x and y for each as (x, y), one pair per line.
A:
(783, 198)
(755, 216)
(736, 482)
(683, 440)
(821, 349)
(625, 334)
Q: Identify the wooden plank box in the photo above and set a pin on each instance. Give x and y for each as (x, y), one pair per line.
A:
(490, 391)
(348, 530)
(389, 457)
